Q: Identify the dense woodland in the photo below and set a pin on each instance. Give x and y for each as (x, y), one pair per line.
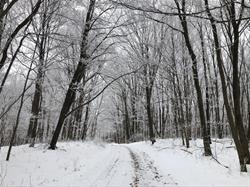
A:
(125, 71)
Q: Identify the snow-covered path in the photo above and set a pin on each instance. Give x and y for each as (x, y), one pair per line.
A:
(131, 165)
(112, 168)
(122, 165)
(146, 173)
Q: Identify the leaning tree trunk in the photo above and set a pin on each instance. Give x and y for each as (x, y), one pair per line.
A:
(2, 3)
(19, 112)
(183, 20)
(26, 21)
(78, 76)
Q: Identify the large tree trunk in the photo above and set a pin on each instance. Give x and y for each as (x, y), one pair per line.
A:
(78, 76)
(242, 148)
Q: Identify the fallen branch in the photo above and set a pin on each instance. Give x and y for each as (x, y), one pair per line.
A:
(219, 162)
(187, 151)
(165, 148)
(230, 147)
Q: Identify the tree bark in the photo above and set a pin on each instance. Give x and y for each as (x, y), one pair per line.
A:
(78, 76)
(86, 122)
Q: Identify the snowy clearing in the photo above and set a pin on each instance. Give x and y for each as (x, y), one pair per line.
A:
(167, 163)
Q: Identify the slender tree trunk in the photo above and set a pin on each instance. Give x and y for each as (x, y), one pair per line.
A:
(11, 62)
(126, 116)
(206, 141)
(2, 3)
(206, 84)
(219, 124)
(78, 116)
(185, 138)
(149, 114)
(18, 113)
(86, 122)
(16, 31)
(248, 130)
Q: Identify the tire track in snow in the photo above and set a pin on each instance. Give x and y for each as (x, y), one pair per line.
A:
(112, 168)
(146, 173)
(103, 176)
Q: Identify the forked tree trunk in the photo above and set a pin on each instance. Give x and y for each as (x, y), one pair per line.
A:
(237, 131)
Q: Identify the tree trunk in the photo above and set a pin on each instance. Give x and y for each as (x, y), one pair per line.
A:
(149, 114)
(36, 105)
(206, 84)
(206, 141)
(78, 76)
(19, 113)
(85, 123)
(16, 31)
(243, 152)
(78, 116)
(126, 117)
(2, 3)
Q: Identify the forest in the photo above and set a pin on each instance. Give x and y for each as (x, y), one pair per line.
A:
(124, 71)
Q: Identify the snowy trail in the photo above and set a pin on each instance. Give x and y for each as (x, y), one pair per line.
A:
(146, 173)
(97, 164)
(124, 165)
(113, 169)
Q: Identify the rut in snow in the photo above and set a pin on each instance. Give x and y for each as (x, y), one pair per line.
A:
(146, 173)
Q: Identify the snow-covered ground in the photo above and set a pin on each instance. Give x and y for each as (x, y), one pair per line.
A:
(167, 163)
